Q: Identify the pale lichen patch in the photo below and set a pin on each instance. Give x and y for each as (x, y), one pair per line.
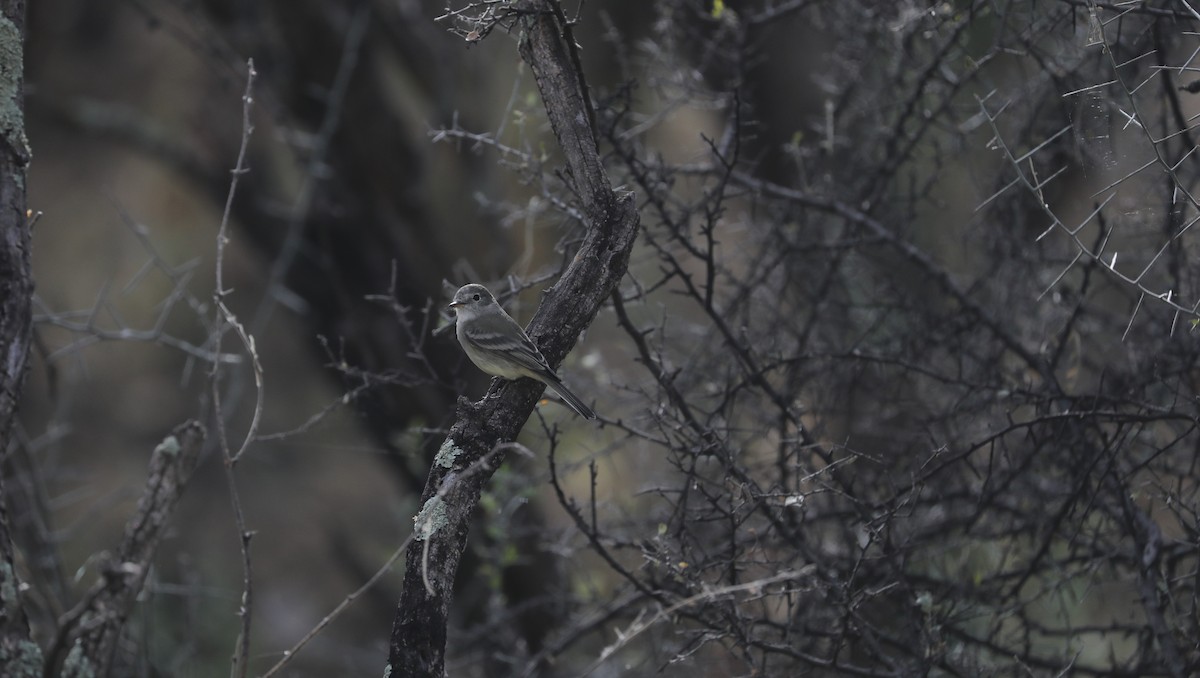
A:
(431, 518)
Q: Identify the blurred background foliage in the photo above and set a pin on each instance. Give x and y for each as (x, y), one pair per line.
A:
(881, 384)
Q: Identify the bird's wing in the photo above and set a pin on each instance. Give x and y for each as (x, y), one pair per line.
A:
(502, 334)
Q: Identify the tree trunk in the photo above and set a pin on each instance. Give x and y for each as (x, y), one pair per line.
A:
(19, 655)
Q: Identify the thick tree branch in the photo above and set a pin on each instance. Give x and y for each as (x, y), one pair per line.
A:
(477, 438)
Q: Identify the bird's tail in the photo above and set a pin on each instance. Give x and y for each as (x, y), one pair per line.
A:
(571, 399)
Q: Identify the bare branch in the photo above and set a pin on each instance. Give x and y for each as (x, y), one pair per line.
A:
(88, 635)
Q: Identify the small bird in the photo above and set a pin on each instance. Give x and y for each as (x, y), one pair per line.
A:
(497, 344)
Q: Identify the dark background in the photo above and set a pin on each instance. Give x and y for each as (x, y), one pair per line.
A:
(920, 379)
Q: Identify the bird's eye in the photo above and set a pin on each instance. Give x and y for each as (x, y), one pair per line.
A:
(476, 297)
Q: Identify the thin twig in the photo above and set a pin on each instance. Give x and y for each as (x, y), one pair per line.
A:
(241, 655)
(290, 654)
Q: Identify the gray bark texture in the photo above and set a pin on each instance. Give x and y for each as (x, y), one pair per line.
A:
(19, 656)
(475, 448)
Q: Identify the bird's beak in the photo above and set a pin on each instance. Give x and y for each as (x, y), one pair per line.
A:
(454, 304)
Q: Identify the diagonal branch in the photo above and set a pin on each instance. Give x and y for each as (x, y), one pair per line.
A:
(88, 636)
(418, 642)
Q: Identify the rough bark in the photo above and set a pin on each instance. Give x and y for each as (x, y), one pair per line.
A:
(18, 654)
(88, 636)
(475, 448)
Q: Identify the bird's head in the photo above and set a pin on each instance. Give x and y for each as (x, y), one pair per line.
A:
(471, 299)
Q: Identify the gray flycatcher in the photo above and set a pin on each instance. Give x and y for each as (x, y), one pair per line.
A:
(497, 344)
